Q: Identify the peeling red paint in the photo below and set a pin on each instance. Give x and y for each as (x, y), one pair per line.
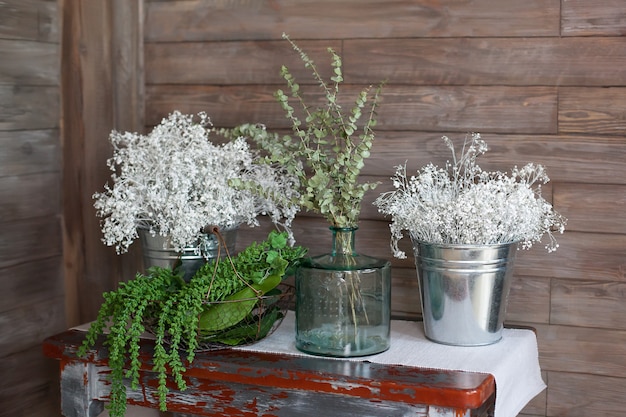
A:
(231, 382)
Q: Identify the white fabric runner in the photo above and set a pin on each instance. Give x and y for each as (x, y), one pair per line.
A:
(513, 361)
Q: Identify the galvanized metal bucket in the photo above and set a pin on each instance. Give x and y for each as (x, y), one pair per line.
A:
(158, 251)
(464, 291)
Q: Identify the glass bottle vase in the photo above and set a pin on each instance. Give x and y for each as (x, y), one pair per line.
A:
(343, 301)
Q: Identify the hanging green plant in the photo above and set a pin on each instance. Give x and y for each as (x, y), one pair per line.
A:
(228, 302)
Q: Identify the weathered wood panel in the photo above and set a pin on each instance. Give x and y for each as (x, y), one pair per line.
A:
(32, 283)
(579, 159)
(88, 71)
(29, 152)
(30, 63)
(592, 207)
(588, 303)
(595, 111)
(26, 240)
(586, 256)
(242, 19)
(30, 385)
(487, 61)
(529, 300)
(26, 107)
(586, 18)
(246, 62)
(27, 196)
(29, 19)
(583, 350)
(572, 394)
(37, 321)
(402, 108)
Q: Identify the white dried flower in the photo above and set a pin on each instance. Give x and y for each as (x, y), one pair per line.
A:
(175, 181)
(462, 204)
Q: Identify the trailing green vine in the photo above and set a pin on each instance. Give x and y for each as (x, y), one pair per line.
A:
(180, 313)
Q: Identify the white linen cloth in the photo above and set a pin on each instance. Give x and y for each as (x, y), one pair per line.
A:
(513, 361)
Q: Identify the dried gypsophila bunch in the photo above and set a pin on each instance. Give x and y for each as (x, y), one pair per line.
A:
(175, 182)
(462, 204)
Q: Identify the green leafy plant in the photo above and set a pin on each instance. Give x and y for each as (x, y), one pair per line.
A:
(217, 305)
(328, 149)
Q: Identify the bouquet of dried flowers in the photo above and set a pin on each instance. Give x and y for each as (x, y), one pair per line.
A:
(328, 149)
(175, 181)
(462, 204)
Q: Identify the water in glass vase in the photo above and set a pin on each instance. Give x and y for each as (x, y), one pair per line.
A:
(343, 301)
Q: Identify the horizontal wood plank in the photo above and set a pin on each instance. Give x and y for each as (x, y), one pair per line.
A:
(235, 20)
(597, 18)
(567, 158)
(592, 207)
(431, 61)
(30, 384)
(487, 61)
(402, 107)
(32, 283)
(529, 300)
(30, 239)
(585, 395)
(585, 256)
(29, 63)
(27, 326)
(28, 196)
(588, 303)
(29, 152)
(29, 19)
(28, 107)
(583, 350)
(218, 63)
(594, 111)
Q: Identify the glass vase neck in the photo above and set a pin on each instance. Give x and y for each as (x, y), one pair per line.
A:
(343, 241)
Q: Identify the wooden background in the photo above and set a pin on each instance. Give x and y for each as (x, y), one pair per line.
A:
(542, 80)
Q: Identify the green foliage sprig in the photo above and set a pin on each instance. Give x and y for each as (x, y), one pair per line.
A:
(329, 146)
(179, 312)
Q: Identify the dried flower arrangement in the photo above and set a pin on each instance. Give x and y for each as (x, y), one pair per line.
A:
(462, 204)
(175, 181)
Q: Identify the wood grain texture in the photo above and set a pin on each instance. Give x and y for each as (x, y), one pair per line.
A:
(29, 152)
(28, 107)
(32, 283)
(592, 110)
(586, 256)
(590, 351)
(29, 386)
(197, 20)
(487, 61)
(29, 63)
(29, 20)
(592, 207)
(27, 240)
(573, 394)
(37, 322)
(599, 304)
(28, 196)
(248, 62)
(598, 18)
(567, 158)
(402, 107)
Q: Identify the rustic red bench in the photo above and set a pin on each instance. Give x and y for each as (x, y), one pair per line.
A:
(245, 383)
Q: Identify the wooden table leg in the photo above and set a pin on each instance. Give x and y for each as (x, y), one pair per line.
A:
(77, 390)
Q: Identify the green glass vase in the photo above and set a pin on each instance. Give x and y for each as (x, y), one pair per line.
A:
(343, 301)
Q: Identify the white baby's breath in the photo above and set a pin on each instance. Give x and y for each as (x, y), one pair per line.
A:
(462, 204)
(175, 181)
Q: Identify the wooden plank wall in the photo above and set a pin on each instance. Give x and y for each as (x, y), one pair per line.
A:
(32, 297)
(542, 80)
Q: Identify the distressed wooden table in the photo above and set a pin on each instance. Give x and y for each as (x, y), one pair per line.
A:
(243, 383)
